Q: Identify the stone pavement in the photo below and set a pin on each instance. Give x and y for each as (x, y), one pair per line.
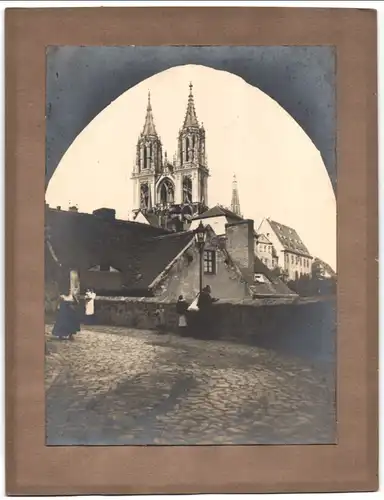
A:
(114, 385)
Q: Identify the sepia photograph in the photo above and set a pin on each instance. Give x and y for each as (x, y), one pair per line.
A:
(190, 245)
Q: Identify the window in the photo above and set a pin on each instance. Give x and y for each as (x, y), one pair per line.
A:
(103, 268)
(209, 262)
(292, 259)
(260, 278)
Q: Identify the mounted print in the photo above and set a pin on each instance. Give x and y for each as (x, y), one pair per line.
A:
(190, 245)
(191, 199)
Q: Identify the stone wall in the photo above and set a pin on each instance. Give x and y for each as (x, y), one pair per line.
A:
(308, 328)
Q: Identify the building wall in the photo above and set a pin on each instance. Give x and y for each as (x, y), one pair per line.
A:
(265, 228)
(101, 280)
(294, 263)
(183, 278)
(264, 251)
(216, 223)
(240, 246)
(297, 265)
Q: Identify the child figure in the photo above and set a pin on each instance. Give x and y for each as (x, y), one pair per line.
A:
(181, 309)
(160, 319)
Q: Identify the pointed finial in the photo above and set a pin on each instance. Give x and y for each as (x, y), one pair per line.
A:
(190, 88)
(149, 100)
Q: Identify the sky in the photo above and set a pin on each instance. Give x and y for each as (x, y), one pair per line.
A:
(280, 172)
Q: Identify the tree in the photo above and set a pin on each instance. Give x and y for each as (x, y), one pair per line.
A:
(280, 273)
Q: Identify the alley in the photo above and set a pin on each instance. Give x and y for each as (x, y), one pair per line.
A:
(119, 386)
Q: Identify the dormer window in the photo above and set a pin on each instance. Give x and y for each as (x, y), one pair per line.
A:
(104, 268)
(260, 278)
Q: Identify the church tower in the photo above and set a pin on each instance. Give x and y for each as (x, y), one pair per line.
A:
(149, 163)
(235, 203)
(191, 170)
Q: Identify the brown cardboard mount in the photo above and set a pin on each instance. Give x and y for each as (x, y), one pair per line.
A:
(351, 464)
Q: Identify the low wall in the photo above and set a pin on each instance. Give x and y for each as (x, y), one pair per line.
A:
(305, 328)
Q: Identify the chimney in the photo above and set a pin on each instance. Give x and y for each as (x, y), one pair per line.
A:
(240, 245)
(105, 213)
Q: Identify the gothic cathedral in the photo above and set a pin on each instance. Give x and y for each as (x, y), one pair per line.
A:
(176, 190)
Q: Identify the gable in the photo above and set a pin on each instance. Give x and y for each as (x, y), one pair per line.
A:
(140, 217)
(261, 238)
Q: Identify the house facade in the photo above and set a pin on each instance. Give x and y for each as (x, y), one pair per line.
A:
(217, 218)
(292, 255)
(230, 267)
(265, 251)
(322, 269)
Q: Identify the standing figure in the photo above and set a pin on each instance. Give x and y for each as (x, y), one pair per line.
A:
(204, 304)
(181, 309)
(90, 297)
(160, 319)
(67, 321)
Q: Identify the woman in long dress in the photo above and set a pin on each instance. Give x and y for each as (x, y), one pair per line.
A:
(67, 321)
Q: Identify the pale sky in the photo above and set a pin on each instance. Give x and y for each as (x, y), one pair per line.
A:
(280, 172)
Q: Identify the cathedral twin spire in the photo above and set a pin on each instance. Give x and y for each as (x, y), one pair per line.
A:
(191, 136)
(159, 182)
(190, 119)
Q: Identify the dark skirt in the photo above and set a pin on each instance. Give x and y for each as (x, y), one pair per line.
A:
(67, 321)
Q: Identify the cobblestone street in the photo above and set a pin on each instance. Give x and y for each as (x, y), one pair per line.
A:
(119, 386)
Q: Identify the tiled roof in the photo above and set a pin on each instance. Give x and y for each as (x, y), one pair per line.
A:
(218, 211)
(139, 251)
(273, 286)
(149, 259)
(152, 219)
(289, 238)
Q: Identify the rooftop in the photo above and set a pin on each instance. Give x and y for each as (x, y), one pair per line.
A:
(218, 211)
(289, 238)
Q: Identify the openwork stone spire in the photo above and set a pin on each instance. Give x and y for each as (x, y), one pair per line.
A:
(149, 126)
(235, 204)
(190, 116)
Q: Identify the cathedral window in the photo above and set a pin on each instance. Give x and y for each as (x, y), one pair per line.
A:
(144, 196)
(166, 192)
(187, 189)
(186, 148)
(202, 189)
